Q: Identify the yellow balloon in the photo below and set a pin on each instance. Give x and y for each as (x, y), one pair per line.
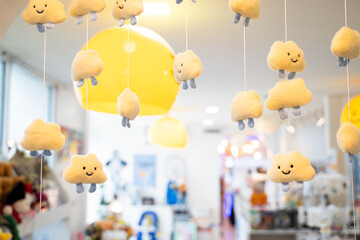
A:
(354, 112)
(151, 71)
(168, 132)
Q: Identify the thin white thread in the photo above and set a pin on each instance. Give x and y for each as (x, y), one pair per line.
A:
(245, 73)
(186, 25)
(345, 6)
(285, 15)
(353, 199)
(44, 76)
(128, 75)
(348, 89)
(86, 117)
(87, 32)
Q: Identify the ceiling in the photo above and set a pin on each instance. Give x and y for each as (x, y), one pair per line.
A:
(219, 44)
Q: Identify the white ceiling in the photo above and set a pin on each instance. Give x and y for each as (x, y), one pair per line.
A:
(218, 42)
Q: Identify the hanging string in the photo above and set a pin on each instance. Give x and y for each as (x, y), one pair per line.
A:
(345, 6)
(286, 28)
(186, 25)
(245, 59)
(87, 93)
(128, 50)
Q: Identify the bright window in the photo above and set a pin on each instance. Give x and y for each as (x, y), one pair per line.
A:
(25, 102)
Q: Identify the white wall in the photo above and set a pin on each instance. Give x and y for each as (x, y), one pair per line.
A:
(70, 114)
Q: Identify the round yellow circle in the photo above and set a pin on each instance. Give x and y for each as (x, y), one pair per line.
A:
(151, 77)
(354, 112)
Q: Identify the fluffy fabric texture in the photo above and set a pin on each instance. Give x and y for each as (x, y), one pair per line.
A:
(85, 169)
(44, 11)
(83, 7)
(348, 138)
(123, 9)
(288, 94)
(286, 56)
(86, 64)
(43, 136)
(346, 43)
(187, 66)
(246, 105)
(8, 183)
(286, 168)
(247, 8)
(128, 104)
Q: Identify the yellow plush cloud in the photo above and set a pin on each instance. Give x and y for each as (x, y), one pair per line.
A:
(346, 43)
(43, 136)
(249, 9)
(41, 12)
(286, 57)
(128, 106)
(187, 67)
(286, 168)
(123, 10)
(288, 94)
(80, 8)
(86, 64)
(348, 139)
(85, 169)
(246, 105)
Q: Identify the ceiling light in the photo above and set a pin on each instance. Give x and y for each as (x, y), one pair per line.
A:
(235, 151)
(247, 148)
(221, 149)
(212, 109)
(158, 8)
(255, 143)
(320, 122)
(257, 155)
(208, 122)
(291, 129)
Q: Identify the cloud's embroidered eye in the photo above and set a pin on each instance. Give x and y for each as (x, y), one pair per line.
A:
(84, 167)
(292, 166)
(288, 53)
(278, 167)
(95, 168)
(34, 6)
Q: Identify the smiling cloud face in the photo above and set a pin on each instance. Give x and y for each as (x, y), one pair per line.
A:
(43, 136)
(83, 7)
(346, 43)
(187, 66)
(44, 11)
(247, 8)
(128, 104)
(124, 9)
(348, 138)
(85, 169)
(286, 56)
(246, 105)
(288, 94)
(290, 167)
(86, 64)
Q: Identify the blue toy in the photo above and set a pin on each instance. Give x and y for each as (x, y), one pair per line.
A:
(152, 234)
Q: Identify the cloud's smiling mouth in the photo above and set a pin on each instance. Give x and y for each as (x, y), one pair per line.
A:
(39, 12)
(286, 173)
(89, 174)
(294, 61)
(179, 71)
(121, 7)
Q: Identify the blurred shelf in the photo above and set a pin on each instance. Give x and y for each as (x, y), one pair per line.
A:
(30, 225)
(292, 232)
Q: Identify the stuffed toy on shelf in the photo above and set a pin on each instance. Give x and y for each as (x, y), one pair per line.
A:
(187, 67)
(127, 9)
(346, 45)
(86, 64)
(292, 167)
(288, 94)
(128, 105)
(85, 169)
(42, 136)
(246, 106)
(80, 8)
(286, 57)
(348, 139)
(44, 14)
(249, 9)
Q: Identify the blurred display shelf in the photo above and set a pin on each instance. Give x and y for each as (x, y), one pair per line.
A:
(275, 232)
(30, 225)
